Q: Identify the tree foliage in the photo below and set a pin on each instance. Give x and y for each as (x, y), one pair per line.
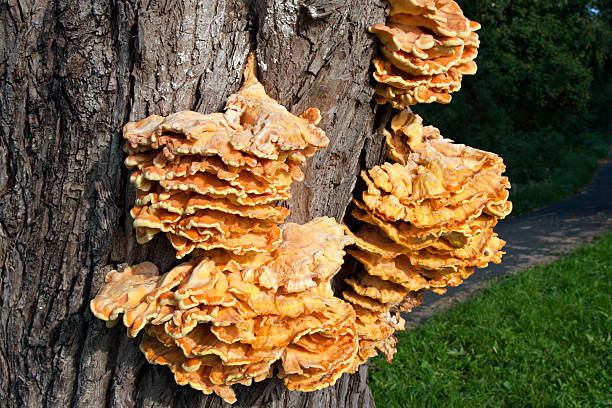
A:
(542, 85)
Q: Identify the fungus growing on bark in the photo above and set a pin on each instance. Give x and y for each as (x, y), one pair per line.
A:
(427, 46)
(428, 222)
(223, 319)
(256, 298)
(209, 180)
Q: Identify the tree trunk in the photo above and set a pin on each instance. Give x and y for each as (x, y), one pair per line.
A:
(73, 72)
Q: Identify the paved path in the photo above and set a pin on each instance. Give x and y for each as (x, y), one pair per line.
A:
(534, 238)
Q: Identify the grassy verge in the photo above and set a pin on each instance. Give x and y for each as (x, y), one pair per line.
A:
(573, 174)
(539, 339)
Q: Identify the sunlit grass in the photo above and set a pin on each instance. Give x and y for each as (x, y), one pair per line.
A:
(538, 339)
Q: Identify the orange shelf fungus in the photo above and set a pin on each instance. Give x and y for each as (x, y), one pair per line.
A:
(209, 180)
(428, 221)
(223, 319)
(427, 47)
(255, 300)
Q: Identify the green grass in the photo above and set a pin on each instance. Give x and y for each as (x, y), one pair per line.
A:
(538, 339)
(573, 174)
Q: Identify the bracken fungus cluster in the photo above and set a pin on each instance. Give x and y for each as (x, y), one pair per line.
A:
(427, 45)
(255, 298)
(209, 181)
(428, 221)
(223, 319)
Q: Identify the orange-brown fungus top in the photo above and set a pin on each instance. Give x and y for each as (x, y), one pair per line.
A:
(210, 180)
(427, 47)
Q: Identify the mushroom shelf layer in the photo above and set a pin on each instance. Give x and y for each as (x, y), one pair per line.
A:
(210, 180)
(223, 319)
(427, 222)
(427, 47)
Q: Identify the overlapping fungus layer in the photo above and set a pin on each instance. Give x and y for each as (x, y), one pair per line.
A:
(427, 47)
(209, 180)
(428, 222)
(223, 319)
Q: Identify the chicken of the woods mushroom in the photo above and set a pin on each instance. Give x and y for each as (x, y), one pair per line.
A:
(427, 46)
(255, 299)
(428, 221)
(222, 319)
(210, 180)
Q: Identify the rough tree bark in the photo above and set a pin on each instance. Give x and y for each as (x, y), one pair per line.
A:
(72, 72)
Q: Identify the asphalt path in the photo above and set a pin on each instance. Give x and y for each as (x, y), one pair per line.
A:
(534, 238)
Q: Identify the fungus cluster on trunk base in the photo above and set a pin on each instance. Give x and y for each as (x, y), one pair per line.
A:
(428, 222)
(223, 319)
(427, 45)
